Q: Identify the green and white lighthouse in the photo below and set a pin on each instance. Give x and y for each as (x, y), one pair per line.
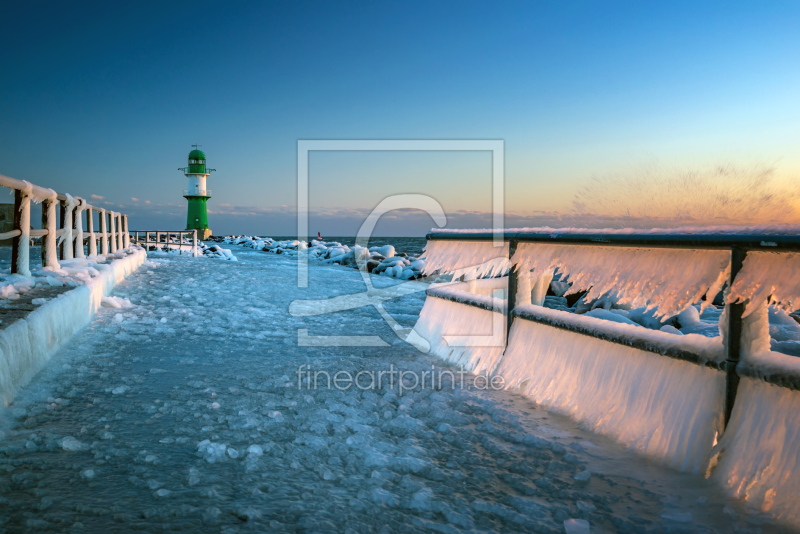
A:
(196, 193)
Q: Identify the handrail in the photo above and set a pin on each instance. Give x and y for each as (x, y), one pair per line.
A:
(69, 225)
(199, 193)
(770, 242)
(738, 244)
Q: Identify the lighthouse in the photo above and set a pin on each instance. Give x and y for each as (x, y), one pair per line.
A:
(196, 193)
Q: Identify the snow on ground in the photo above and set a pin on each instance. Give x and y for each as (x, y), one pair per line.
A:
(182, 412)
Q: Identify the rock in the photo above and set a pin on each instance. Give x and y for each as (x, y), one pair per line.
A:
(559, 288)
(574, 298)
(555, 303)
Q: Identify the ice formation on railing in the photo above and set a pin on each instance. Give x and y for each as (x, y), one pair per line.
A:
(764, 229)
(477, 258)
(669, 280)
(448, 326)
(759, 454)
(665, 408)
(768, 277)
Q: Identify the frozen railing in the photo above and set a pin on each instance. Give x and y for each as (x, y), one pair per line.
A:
(166, 239)
(516, 255)
(62, 237)
(675, 398)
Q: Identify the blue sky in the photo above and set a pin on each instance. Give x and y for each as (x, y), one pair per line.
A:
(106, 99)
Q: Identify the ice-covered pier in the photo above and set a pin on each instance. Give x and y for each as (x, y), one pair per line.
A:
(195, 409)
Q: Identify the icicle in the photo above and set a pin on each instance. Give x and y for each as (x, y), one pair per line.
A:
(49, 194)
(667, 279)
(524, 288)
(768, 275)
(460, 257)
(471, 338)
(541, 283)
(759, 453)
(663, 408)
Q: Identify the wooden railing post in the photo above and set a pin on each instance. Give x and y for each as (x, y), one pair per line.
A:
(126, 236)
(66, 224)
(103, 232)
(120, 240)
(50, 241)
(43, 246)
(78, 223)
(61, 216)
(735, 312)
(92, 236)
(20, 245)
(113, 231)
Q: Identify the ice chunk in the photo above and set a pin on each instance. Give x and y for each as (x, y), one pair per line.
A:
(583, 476)
(115, 302)
(71, 444)
(212, 452)
(678, 517)
(576, 526)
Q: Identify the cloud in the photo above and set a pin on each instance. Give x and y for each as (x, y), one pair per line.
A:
(147, 202)
(135, 199)
(98, 197)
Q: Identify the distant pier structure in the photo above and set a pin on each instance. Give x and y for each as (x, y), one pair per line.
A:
(196, 193)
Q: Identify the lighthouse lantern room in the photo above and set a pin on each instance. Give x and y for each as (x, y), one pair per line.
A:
(196, 193)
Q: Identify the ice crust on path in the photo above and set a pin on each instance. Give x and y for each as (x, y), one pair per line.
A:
(116, 434)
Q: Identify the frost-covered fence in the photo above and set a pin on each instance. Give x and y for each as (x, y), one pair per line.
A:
(666, 395)
(62, 237)
(166, 239)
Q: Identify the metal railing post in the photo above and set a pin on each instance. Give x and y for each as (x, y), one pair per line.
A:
(194, 243)
(511, 293)
(735, 312)
(20, 245)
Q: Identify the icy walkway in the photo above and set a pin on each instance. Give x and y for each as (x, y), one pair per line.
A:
(184, 413)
